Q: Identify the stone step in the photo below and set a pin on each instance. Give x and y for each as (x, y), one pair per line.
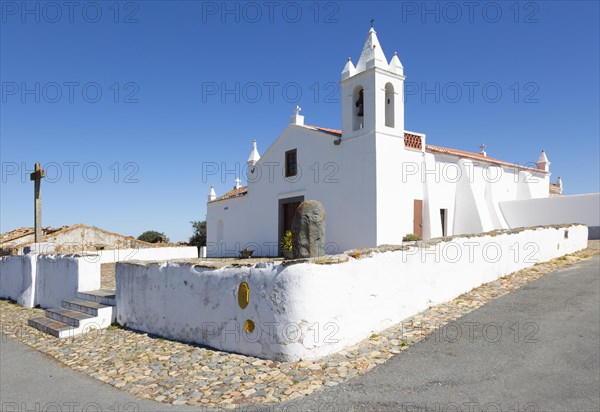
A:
(103, 296)
(105, 312)
(52, 327)
(70, 317)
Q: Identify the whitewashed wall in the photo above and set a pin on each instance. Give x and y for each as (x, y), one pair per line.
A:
(59, 277)
(555, 210)
(17, 279)
(46, 280)
(155, 253)
(309, 310)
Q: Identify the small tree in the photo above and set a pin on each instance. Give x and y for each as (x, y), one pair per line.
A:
(152, 236)
(199, 237)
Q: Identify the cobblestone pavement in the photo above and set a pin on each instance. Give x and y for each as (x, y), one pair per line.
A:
(177, 373)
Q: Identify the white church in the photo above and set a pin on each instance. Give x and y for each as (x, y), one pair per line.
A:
(377, 181)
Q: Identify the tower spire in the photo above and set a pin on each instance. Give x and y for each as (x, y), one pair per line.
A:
(212, 195)
(254, 156)
(543, 163)
(372, 54)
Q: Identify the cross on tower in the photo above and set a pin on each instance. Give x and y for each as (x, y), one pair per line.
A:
(372, 21)
(37, 176)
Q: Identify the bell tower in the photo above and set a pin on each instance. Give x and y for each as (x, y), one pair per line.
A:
(372, 93)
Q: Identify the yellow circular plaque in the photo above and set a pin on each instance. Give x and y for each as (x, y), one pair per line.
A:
(249, 326)
(243, 295)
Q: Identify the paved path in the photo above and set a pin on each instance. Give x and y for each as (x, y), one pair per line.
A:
(536, 349)
(551, 364)
(31, 381)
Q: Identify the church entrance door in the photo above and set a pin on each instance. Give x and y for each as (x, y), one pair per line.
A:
(287, 211)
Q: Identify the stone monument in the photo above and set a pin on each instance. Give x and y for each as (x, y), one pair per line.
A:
(308, 228)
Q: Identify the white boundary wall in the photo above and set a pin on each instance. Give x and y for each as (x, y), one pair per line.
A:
(46, 280)
(308, 310)
(157, 253)
(555, 210)
(17, 279)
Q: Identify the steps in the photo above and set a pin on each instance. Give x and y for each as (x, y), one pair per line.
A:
(93, 309)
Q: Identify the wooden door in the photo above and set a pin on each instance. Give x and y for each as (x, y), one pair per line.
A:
(289, 211)
(418, 218)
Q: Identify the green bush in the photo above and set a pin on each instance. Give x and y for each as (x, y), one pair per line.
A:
(286, 241)
(411, 237)
(152, 236)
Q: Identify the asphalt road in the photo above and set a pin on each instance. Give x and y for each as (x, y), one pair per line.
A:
(536, 349)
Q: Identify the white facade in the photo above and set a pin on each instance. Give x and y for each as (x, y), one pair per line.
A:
(377, 181)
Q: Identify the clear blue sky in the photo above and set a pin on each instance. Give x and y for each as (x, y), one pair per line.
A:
(158, 63)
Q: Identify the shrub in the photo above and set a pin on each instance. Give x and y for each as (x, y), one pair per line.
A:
(152, 236)
(286, 241)
(411, 237)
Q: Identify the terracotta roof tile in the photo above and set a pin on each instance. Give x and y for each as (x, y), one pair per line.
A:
(24, 231)
(413, 140)
(333, 132)
(478, 156)
(49, 232)
(555, 190)
(241, 191)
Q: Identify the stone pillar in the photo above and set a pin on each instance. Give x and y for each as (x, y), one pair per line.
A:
(308, 228)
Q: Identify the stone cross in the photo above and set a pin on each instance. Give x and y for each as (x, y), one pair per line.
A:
(37, 177)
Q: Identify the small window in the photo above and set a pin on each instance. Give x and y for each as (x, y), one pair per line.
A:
(291, 164)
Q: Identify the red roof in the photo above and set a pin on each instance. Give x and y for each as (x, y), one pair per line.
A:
(334, 132)
(241, 191)
(411, 139)
(479, 156)
(555, 190)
